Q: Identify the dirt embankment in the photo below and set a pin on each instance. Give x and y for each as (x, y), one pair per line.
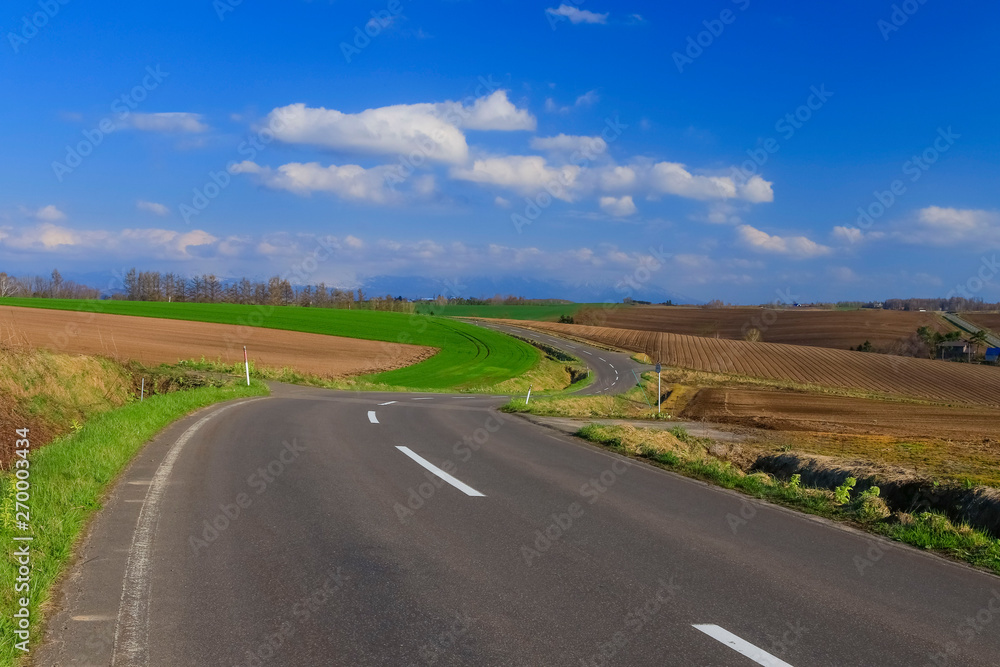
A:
(155, 341)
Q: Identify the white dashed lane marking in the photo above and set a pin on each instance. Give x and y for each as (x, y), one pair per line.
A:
(461, 486)
(371, 417)
(760, 656)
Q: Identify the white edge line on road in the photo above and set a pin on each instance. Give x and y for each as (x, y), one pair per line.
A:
(461, 486)
(132, 627)
(425, 398)
(371, 417)
(760, 656)
(387, 403)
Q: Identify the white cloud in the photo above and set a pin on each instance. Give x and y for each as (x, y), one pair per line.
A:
(576, 15)
(589, 98)
(523, 173)
(721, 213)
(48, 237)
(617, 178)
(49, 214)
(795, 246)
(938, 226)
(152, 207)
(619, 208)
(672, 178)
(167, 122)
(350, 181)
(495, 112)
(565, 143)
(756, 190)
(501, 202)
(434, 131)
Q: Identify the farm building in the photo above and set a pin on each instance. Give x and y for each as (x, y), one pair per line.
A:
(953, 349)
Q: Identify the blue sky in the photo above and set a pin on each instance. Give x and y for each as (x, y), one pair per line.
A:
(688, 150)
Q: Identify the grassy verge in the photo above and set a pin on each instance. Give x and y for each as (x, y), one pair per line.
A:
(636, 403)
(678, 451)
(68, 479)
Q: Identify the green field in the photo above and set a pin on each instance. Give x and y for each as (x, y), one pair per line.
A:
(469, 356)
(538, 313)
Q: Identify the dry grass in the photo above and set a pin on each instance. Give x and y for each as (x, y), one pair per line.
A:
(49, 393)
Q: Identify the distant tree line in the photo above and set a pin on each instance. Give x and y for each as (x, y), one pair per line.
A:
(53, 287)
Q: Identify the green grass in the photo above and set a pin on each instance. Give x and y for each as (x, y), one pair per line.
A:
(469, 356)
(68, 480)
(527, 312)
(679, 451)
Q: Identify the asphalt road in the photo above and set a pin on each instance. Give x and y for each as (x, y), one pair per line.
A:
(307, 529)
(612, 370)
(962, 323)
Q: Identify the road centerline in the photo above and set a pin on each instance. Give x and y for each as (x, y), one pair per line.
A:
(458, 484)
(371, 417)
(387, 403)
(760, 656)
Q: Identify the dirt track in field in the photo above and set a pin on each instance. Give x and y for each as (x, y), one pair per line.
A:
(819, 328)
(928, 379)
(154, 341)
(787, 411)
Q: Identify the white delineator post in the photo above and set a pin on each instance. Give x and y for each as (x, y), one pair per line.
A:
(659, 389)
(528, 397)
(142, 390)
(246, 363)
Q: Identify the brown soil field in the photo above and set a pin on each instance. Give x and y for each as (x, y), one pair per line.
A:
(842, 329)
(926, 379)
(989, 321)
(156, 341)
(789, 411)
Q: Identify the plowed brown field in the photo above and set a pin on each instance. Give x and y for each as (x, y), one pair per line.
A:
(989, 321)
(154, 341)
(784, 410)
(880, 373)
(819, 328)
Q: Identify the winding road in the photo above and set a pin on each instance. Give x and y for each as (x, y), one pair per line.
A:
(335, 528)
